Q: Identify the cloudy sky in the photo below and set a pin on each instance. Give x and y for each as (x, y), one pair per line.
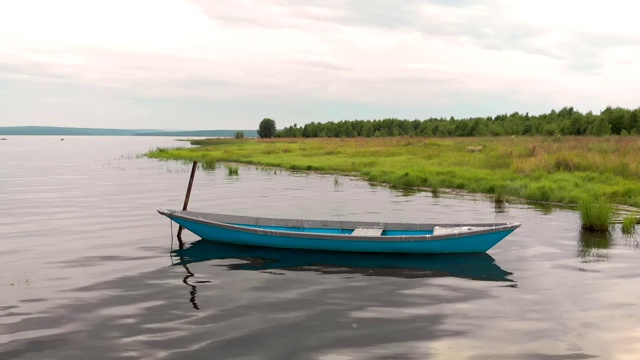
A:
(226, 64)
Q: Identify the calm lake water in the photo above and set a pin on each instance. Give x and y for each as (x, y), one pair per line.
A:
(89, 269)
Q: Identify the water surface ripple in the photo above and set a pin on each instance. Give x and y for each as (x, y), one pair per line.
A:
(89, 269)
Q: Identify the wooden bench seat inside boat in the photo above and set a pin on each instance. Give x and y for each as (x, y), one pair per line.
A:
(367, 231)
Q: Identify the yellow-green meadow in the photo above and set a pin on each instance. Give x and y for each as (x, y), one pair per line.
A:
(552, 169)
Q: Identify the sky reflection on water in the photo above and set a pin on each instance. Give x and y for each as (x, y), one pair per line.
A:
(89, 271)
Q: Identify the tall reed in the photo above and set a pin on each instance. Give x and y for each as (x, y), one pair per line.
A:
(595, 214)
(629, 224)
(499, 195)
(435, 189)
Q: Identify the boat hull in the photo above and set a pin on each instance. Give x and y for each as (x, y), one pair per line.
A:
(472, 243)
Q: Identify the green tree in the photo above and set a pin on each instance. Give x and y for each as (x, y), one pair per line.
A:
(310, 130)
(290, 132)
(567, 121)
(395, 130)
(267, 128)
(425, 128)
(239, 135)
(407, 128)
(575, 125)
(347, 130)
(550, 129)
(601, 127)
(615, 117)
(367, 130)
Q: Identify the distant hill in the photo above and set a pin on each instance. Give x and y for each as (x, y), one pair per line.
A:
(50, 130)
(200, 133)
(72, 131)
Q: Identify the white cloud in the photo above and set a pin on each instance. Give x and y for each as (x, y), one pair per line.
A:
(613, 17)
(137, 25)
(414, 59)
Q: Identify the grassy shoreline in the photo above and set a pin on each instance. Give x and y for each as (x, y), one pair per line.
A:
(551, 169)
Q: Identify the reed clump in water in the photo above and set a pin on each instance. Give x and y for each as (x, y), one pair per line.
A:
(435, 189)
(595, 214)
(499, 195)
(233, 170)
(336, 182)
(629, 224)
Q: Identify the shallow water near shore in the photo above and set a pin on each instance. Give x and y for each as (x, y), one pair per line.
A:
(90, 270)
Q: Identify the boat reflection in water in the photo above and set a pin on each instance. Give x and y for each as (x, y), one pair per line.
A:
(479, 266)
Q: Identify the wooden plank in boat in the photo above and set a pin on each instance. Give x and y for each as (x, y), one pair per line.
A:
(367, 231)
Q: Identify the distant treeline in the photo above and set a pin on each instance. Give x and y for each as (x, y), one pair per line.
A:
(567, 121)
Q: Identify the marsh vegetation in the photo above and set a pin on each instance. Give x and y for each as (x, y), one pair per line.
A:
(595, 215)
(232, 170)
(629, 223)
(550, 169)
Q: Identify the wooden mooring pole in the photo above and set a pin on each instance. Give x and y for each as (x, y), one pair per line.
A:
(186, 197)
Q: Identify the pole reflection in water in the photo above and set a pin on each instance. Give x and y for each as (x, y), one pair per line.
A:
(481, 267)
(190, 274)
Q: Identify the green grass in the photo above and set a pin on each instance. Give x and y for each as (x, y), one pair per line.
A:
(595, 214)
(629, 224)
(549, 169)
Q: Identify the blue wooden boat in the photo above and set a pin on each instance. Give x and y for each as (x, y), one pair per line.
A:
(351, 236)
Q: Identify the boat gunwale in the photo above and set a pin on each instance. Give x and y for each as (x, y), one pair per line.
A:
(236, 222)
